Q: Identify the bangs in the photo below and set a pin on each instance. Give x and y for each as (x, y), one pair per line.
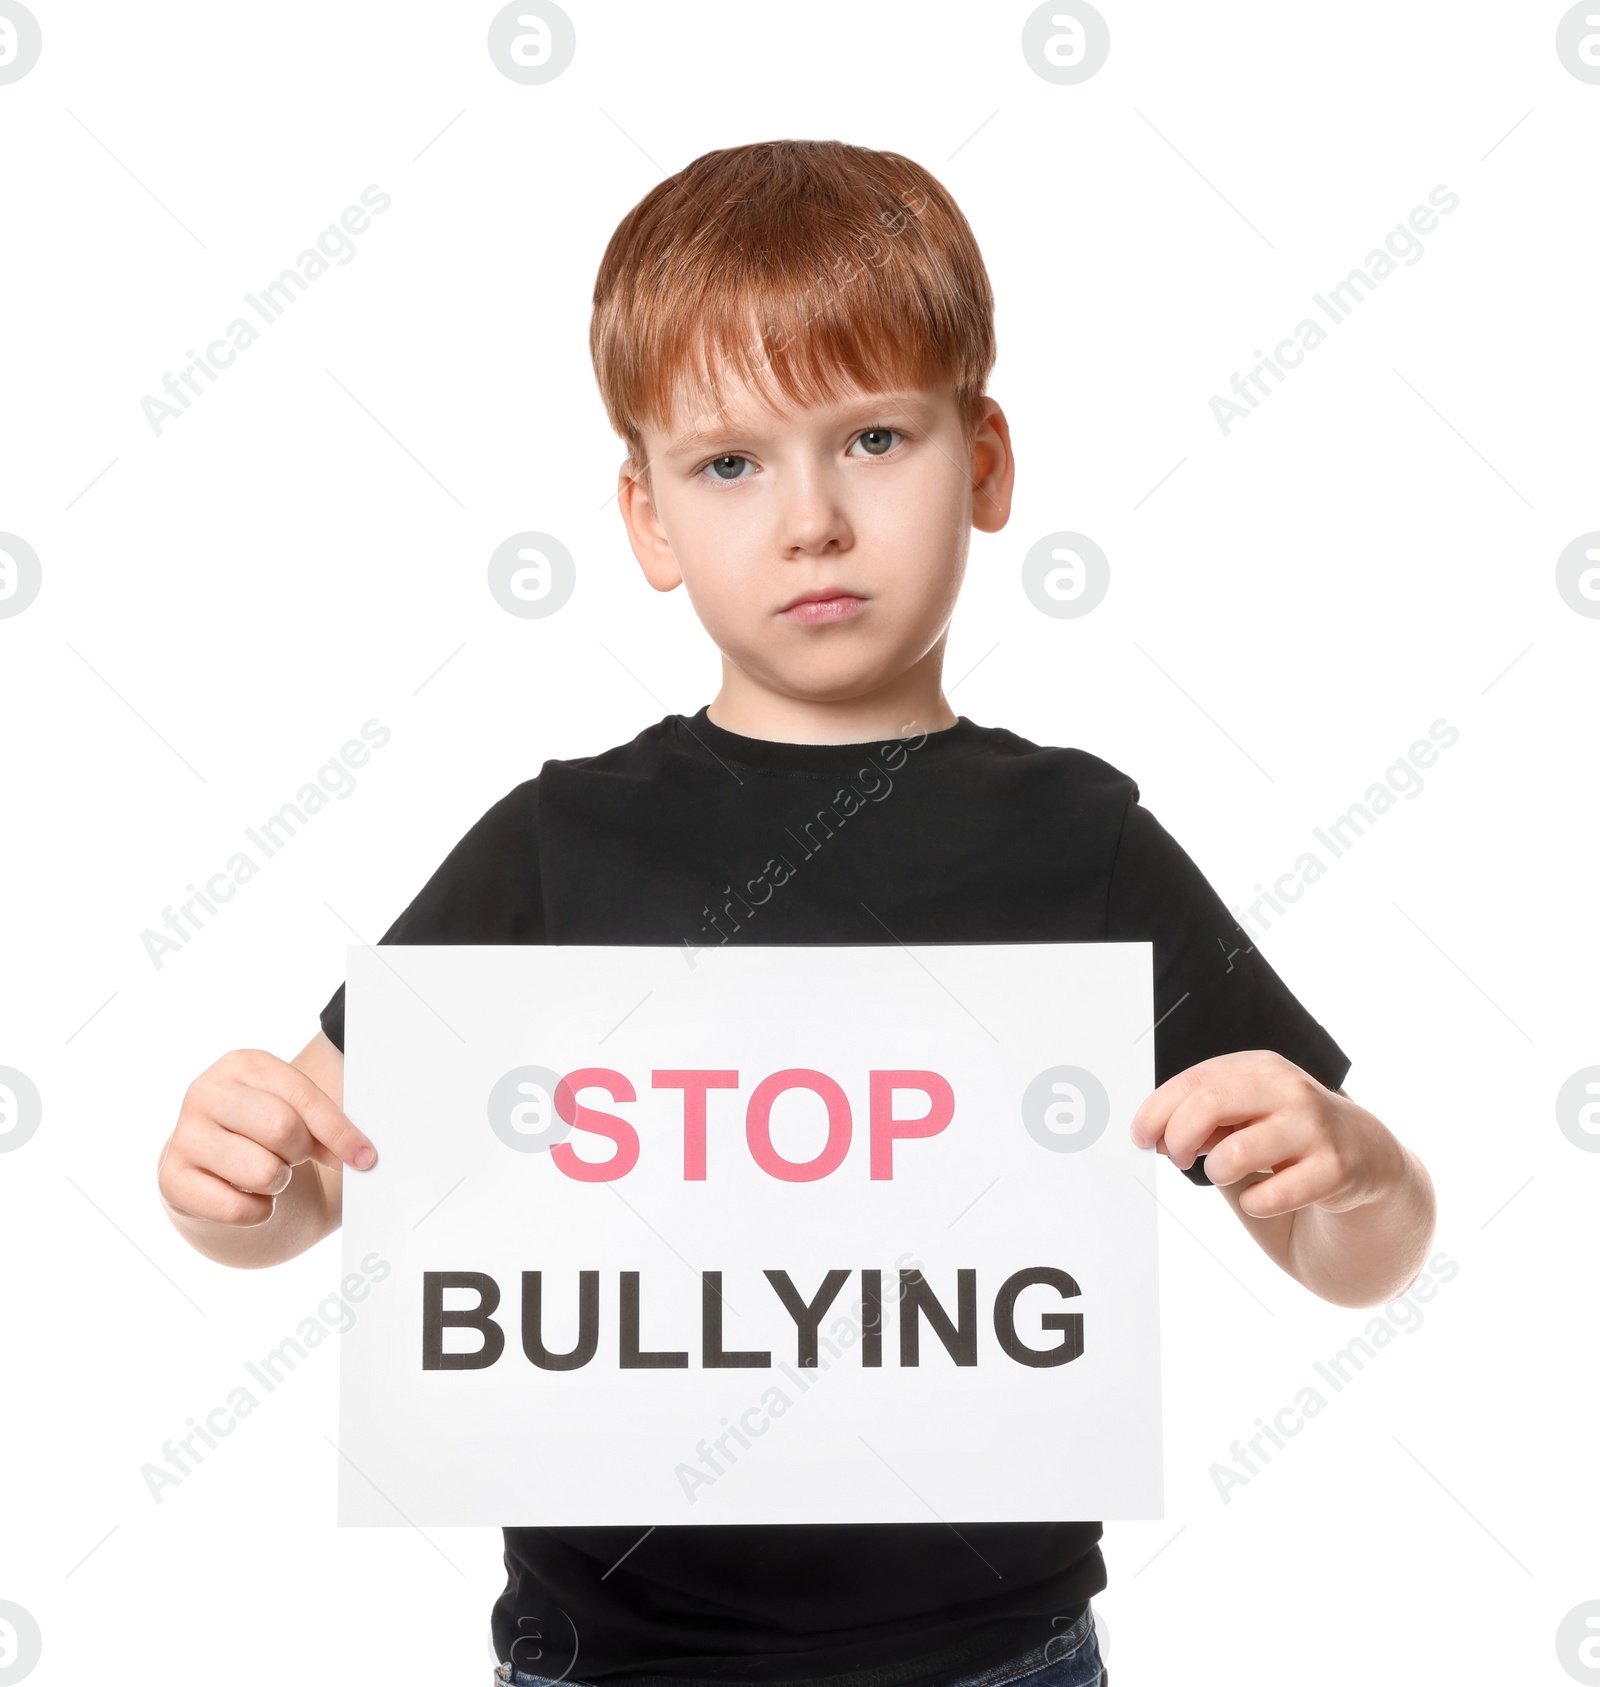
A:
(804, 269)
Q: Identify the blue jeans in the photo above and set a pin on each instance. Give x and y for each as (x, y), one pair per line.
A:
(1068, 1659)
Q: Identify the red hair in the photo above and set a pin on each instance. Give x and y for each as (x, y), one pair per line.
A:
(811, 266)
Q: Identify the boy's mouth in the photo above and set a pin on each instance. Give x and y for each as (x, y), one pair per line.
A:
(830, 604)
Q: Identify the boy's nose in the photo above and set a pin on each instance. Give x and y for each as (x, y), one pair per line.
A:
(813, 519)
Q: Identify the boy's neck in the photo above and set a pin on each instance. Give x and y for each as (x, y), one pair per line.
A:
(911, 704)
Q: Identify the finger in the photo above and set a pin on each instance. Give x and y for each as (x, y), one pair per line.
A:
(334, 1132)
(1299, 1184)
(196, 1193)
(1206, 1116)
(1212, 1139)
(1221, 1074)
(259, 1115)
(240, 1160)
(330, 1128)
(1258, 1147)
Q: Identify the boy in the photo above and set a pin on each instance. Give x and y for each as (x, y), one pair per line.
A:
(808, 451)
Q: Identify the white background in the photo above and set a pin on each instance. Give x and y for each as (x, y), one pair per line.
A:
(224, 605)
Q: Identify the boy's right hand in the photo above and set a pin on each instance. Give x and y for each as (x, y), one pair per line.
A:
(245, 1124)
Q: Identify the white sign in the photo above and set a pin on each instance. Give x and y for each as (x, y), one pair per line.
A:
(794, 1235)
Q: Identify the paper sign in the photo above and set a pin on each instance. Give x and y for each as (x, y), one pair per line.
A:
(791, 1235)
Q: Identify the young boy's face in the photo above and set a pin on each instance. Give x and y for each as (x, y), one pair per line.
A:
(822, 546)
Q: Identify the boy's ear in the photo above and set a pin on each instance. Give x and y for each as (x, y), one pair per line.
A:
(993, 470)
(645, 532)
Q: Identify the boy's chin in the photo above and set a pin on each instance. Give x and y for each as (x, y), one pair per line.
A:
(832, 665)
(842, 685)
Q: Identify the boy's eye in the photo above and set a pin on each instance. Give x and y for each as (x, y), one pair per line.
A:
(876, 442)
(727, 468)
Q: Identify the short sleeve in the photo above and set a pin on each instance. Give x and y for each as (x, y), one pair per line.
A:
(486, 890)
(1214, 991)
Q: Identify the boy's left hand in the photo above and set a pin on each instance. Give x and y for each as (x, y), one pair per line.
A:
(1256, 1115)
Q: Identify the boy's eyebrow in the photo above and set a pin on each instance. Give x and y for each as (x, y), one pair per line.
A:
(696, 440)
(878, 404)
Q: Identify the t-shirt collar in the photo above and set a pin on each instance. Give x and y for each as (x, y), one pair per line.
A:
(699, 731)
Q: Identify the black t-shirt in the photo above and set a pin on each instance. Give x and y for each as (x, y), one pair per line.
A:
(694, 835)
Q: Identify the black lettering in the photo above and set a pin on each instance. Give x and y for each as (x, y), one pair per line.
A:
(871, 1318)
(807, 1317)
(711, 1355)
(1069, 1323)
(918, 1300)
(436, 1320)
(630, 1358)
(533, 1320)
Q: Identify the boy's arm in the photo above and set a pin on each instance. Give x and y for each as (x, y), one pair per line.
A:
(1348, 1211)
(253, 1172)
